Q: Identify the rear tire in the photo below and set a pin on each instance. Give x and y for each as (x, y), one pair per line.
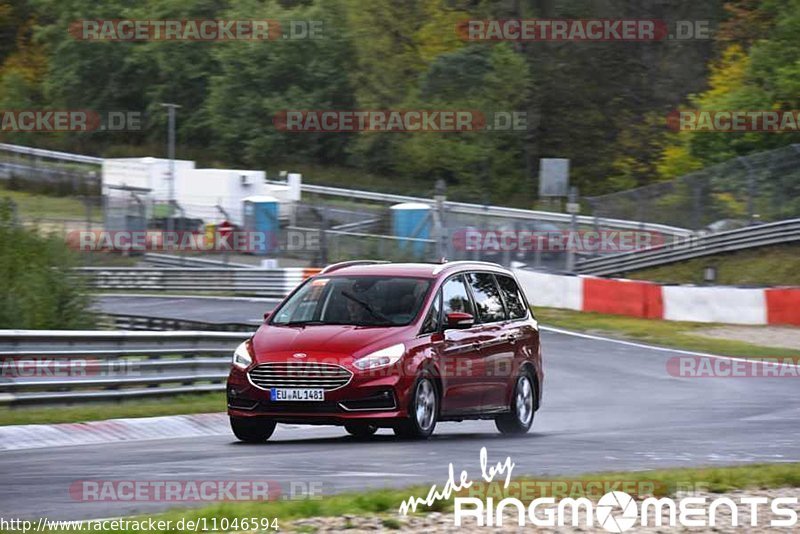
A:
(360, 430)
(252, 429)
(423, 411)
(520, 419)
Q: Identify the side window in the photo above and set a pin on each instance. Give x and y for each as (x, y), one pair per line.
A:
(431, 323)
(455, 297)
(487, 297)
(304, 305)
(513, 297)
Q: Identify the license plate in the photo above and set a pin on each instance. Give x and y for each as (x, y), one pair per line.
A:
(281, 394)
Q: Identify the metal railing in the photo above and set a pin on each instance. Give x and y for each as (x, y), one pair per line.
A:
(50, 154)
(57, 366)
(248, 281)
(494, 211)
(168, 260)
(694, 247)
(123, 321)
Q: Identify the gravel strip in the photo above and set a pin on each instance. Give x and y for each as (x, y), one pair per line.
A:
(781, 337)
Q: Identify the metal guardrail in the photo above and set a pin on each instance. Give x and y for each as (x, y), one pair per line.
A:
(50, 154)
(694, 247)
(45, 173)
(498, 211)
(247, 281)
(57, 366)
(115, 321)
(167, 260)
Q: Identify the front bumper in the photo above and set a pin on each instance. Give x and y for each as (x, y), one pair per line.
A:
(377, 399)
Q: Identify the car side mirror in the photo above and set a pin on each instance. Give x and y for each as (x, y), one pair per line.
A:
(460, 320)
(267, 315)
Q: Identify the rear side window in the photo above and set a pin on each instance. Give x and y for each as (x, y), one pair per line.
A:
(515, 304)
(455, 297)
(487, 297)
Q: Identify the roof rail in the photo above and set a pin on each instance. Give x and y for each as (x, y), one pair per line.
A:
(343, 264)
(447, 265)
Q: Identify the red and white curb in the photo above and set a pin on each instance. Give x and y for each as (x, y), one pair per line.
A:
(635, 298)
(20, 437)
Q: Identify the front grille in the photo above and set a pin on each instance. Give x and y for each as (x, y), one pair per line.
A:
(299, 375)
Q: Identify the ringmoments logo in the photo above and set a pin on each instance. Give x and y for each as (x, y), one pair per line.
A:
(614, 511)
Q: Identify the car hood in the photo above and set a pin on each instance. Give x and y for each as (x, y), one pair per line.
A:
(273, 343)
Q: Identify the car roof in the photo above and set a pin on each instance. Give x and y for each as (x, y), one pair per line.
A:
(417, 270)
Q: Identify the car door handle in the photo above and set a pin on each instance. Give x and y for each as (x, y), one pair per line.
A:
(511, 337)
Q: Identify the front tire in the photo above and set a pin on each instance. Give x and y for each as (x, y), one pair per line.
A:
(423, 411)
(252, 429)
(520, 419)
(361, 430)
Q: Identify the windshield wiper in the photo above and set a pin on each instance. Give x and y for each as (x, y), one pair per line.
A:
(376, 314)
(302, 323)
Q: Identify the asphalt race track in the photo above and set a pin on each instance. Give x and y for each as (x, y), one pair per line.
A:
(206, 309)
(607, 406)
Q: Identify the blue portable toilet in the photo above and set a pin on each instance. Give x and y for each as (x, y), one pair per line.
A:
(412, 219)
(261, 217)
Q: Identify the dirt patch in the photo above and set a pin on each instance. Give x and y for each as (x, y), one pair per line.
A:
(781, 337)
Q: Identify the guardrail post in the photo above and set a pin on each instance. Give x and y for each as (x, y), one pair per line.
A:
(697, 195)
(323, 237)
(751, 189)
(573, 227)
(439, 196)
(595, 222)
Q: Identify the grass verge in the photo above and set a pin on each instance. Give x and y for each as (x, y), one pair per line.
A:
(182, 404)
(776, 265)
(386, 502)
(33, 206)
(673, 334)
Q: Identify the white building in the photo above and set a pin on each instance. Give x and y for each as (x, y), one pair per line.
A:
(207, 194)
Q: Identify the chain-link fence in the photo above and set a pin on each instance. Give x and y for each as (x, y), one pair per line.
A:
(345, 225)
(29, 173)
(339, 231)
(745, 190)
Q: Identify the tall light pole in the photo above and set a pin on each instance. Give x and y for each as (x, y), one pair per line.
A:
(171, 155)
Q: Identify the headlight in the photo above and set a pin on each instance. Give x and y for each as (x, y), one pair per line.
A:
(381, 358)
(241, 356)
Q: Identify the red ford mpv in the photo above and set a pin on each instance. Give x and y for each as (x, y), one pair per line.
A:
(372, 344)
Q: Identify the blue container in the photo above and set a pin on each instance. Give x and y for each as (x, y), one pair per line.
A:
(412, 220)
(261, 218)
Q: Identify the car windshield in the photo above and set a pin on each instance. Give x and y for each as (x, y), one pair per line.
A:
(354, 300)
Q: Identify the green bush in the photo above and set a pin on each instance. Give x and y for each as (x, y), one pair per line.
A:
(37, 287)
